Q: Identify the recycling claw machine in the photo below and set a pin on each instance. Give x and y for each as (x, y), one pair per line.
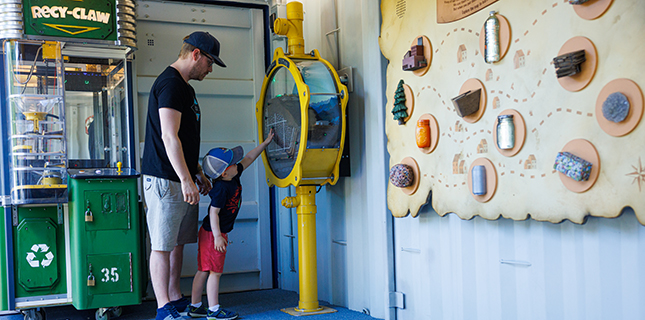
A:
(72, 224)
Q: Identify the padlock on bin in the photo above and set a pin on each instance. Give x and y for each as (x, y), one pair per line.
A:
(89, 217)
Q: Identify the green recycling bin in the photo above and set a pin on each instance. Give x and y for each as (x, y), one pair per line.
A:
(105, 246)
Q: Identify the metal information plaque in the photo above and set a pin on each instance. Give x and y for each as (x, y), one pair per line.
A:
(84, 19)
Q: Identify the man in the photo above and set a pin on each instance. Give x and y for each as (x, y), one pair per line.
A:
(173, 178)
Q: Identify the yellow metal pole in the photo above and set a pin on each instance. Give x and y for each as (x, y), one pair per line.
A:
(305, 202)
(307, 249)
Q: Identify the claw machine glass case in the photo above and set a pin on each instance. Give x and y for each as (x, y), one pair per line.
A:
(36, 107)
(96, 109)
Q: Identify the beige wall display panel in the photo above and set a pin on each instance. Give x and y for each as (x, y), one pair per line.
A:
(524, 81)
(453, 10)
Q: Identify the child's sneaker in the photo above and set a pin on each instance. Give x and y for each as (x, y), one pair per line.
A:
(168, 312)
(221, 314)
(195, 312)
(181, 304)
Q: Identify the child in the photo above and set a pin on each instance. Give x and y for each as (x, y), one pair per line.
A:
(221, 165)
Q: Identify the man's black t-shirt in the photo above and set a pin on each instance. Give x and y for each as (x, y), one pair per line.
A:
(171, 91)
(227, 196)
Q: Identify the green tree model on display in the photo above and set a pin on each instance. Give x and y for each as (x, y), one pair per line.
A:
(400, 110)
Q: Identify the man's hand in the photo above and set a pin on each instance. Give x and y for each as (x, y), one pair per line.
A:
(203, 183)
(190, 191)
(219, 242)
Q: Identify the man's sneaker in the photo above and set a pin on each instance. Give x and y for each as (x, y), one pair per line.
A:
(195, 312)
(221, 314)
(181, 304)
(168, 312)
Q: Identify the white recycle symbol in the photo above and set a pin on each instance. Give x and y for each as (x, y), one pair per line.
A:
(49, 257)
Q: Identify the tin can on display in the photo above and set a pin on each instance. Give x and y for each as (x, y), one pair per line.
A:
(479, 180)
(505, 132)
(423, 133)
(491, 39)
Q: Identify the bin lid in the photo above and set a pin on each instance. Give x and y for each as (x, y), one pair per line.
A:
(98, 173)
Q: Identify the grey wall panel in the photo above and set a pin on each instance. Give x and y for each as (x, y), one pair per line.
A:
(287, 230)
(160, 44)
(193, 13)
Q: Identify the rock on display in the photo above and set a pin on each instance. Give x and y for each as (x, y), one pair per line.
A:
(616, 107)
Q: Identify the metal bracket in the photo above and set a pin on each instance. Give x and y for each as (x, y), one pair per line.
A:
(14, 214)
(397, 300)
(346, 76)
(60, 213)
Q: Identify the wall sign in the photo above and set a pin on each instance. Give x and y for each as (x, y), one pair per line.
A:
(453, 10)
(82, 19)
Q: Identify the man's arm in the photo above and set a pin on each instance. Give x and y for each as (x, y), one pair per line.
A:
(253, 154)
(218, 240)
(170, 120)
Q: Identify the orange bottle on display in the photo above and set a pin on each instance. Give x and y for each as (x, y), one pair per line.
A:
(423, 133)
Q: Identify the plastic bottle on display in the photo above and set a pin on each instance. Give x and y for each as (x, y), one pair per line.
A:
(491, 39)
(423, 133)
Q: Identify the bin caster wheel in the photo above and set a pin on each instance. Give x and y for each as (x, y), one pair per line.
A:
(102, 314)
(34, 314)
(115, 312)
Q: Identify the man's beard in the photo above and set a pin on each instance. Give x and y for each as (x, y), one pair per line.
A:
(195, 74)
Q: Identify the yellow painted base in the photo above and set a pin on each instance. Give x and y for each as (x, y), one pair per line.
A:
(294, 311)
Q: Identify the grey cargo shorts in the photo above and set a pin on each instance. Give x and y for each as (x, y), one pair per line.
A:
(171, 221)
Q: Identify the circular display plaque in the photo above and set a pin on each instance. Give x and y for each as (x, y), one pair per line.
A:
(520, 133)
(427, 52)
(434, 133)
(635, 97)
(474, 84)
(585, 150)
(580, 80)
(491, 179)
(504, 37)
(409, 101)
(415, 168)
(592, 9)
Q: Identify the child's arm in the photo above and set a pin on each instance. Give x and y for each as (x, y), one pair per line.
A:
(218, 240)
(253, 154)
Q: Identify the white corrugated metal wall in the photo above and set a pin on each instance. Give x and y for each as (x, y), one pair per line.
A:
(450, 268)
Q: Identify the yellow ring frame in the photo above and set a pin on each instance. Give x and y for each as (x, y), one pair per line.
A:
(308, 160)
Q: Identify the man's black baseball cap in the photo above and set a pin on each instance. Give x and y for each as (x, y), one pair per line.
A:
(205, 42)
